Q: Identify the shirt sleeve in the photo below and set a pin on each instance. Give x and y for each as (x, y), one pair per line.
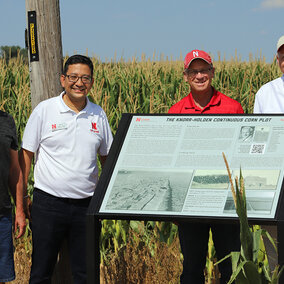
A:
(107, 137)
(257, 104)
(176, 108)
(171, 110)
(240, 110)
(32, 133)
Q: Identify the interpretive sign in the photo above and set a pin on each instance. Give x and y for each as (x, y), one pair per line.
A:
(173, 165)
(170, 168)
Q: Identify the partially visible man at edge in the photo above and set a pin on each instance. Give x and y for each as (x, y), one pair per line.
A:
(66, 133)
(11, 179)
(270, 97)
(204, 99)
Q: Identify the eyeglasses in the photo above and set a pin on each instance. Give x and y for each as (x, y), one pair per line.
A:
(75, 78)
(194, 72)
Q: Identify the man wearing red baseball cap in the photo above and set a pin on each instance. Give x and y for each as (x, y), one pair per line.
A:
(203, 98)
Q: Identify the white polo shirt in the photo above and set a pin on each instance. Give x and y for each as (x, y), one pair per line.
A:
(270, 97)
(66, 146)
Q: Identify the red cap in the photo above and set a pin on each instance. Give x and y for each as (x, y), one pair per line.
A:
(195, 54)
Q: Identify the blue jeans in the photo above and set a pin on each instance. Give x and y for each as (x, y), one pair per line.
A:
(7, 272)
(53, 220)
(194, 246)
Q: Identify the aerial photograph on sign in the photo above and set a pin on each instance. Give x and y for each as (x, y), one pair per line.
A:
(149, 190)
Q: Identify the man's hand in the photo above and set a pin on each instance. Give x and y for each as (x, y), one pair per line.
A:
(20, 223)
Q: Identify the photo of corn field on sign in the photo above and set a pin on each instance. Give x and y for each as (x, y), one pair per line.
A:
(149, 190)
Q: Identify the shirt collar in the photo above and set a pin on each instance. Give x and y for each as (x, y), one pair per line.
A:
(215, 100)
(64, 108)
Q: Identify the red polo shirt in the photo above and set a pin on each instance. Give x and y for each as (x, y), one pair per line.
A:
(219, 104)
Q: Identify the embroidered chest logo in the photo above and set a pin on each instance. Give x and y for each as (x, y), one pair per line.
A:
(94, 127)
(58, 126)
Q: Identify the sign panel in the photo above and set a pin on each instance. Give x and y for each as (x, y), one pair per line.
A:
(173, 165)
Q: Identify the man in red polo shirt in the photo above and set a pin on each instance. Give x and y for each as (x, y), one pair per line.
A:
(203, 98)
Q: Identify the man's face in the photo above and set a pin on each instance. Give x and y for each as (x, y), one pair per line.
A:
(199, 76)
(246, 132)
(77, 91)
(280, 58)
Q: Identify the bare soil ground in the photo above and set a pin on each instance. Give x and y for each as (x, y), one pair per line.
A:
(22, 258)
(133, 264)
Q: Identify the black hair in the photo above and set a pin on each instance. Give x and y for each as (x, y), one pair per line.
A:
(78, 59)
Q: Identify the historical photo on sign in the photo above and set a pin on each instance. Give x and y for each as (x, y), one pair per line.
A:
(261, 134)
(149, 190)
(210, 179)
(255, 204)
(246, 134)
(260, 179)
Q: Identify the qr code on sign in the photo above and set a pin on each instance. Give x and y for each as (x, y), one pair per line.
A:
(257, 148)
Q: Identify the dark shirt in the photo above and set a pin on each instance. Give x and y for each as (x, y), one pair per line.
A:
(8, 140)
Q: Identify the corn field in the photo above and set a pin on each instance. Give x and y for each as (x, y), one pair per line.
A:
(147, 86)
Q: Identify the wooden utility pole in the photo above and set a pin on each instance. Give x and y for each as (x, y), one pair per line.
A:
(45, 49)
(45, 62)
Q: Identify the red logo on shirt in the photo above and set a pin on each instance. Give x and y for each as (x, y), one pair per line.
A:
(53, 126)
(94, 127)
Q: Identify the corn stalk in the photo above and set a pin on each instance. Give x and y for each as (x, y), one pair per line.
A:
(248, 265)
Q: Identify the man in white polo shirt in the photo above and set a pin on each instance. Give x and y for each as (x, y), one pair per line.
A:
(66, 133)
(270, 97)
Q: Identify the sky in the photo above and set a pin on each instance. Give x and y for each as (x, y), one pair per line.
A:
(112, 29)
